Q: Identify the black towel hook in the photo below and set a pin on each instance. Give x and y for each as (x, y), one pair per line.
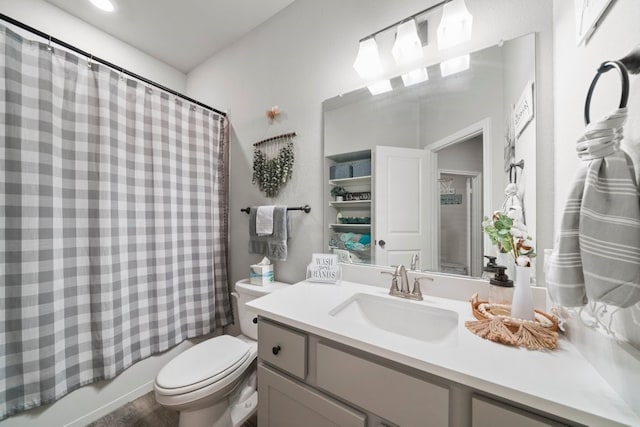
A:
(624, 77)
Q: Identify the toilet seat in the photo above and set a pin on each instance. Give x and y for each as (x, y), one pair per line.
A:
(203, 365)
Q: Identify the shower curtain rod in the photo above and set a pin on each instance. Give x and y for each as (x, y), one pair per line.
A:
(104, 62)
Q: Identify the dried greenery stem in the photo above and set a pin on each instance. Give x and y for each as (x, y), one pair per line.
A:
(271, 174)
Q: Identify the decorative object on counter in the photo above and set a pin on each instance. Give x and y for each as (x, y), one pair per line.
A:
(273, 163)
(323, 268)
(339, 192)
(262, 273)
(273, 113)
(522, 301)
(496, 324)
(509, 234)
(500, 287)
(597, 254)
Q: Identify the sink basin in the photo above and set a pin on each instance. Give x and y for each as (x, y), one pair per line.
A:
(401, 317)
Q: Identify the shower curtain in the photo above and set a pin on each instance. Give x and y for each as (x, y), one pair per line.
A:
(113, 227)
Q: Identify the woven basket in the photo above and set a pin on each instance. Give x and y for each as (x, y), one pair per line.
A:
(543, 319)
(495, 324)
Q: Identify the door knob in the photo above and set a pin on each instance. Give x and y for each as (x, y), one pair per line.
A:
(382, 243)
(255, 320)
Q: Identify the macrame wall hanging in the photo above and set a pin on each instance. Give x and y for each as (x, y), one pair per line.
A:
(273, 163)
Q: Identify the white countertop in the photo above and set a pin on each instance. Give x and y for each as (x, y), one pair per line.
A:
(560, 382)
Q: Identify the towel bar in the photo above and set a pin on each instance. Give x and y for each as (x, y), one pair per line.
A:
(305, 208)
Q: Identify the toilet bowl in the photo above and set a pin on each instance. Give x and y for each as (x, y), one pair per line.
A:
(213, 383)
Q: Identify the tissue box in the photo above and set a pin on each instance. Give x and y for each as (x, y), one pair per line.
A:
(261, 274)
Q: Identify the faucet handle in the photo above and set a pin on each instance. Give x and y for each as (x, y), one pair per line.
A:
(417, 293)
(394, 281)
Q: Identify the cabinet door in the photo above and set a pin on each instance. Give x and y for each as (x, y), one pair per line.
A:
(283, 402)
(486, 413)
(386, 392)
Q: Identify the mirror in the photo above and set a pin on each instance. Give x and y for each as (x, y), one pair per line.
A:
(421, 165)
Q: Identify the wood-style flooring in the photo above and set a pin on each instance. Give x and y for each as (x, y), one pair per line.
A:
(146, 412)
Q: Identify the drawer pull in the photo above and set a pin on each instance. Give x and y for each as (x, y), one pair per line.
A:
(255, 320)
(275, 350)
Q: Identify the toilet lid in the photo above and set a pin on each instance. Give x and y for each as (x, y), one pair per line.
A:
(203, 361)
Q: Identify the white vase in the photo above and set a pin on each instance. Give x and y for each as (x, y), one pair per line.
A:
(522, 303)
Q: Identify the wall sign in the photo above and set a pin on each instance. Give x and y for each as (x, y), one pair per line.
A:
(523, 110)
(588, 12)
(323, 268)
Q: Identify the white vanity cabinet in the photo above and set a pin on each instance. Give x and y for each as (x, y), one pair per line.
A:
(307, 380)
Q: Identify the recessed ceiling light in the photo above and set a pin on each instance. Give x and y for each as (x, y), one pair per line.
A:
(106, 5)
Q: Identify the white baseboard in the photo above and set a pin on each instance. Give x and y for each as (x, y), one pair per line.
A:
(111, 406)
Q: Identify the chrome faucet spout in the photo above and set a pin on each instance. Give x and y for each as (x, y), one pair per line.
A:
(404, 292)
(414, 261)
(401, 272)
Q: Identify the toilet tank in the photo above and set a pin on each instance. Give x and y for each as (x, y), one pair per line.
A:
(246, 292)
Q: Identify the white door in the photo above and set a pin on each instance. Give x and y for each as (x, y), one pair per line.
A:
(401, 206)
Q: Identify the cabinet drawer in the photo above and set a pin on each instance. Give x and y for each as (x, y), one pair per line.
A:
(286, 403)
(283, 348)
(393, 395)
(487, 413)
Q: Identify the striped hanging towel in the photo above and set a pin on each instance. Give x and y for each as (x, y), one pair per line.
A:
(597, 252)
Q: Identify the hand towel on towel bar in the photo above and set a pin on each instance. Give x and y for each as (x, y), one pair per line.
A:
(597, 252)
(264, 220)
(273, 246)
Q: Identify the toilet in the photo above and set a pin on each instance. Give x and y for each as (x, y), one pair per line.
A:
(213, 383)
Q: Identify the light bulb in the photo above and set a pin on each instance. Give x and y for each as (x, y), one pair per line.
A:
(407, 47)
(455, 65)
(455, 26)
(367, 62)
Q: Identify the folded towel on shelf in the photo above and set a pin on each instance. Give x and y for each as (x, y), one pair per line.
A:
(597, 254)
(274, 246)
(264, 220)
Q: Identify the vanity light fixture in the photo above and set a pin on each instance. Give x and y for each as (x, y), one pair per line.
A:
(408, 46)
(104, 5)
(455, 65)
(455, 26)
(368, 60)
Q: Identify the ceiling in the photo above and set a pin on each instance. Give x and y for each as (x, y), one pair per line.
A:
(181, 33)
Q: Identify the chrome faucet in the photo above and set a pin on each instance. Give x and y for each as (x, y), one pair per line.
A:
(414, 261)
(403, 292)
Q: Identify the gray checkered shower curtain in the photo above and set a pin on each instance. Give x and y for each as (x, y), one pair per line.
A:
(113, 227)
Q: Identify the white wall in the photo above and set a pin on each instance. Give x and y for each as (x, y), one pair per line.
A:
(51, 20)
(93, 401)
(574, 68)
(298, 59)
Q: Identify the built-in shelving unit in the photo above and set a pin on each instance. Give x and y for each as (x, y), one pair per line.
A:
(355, 186)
